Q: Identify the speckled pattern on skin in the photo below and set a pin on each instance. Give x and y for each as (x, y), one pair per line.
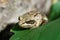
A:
(32, 19)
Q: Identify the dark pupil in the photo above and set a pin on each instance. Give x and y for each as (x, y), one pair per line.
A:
(30, 22)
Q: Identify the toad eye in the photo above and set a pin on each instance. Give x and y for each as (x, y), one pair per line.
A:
(20, 18)
(30, 22)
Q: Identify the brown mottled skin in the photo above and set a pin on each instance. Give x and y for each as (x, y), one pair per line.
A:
(32, 19)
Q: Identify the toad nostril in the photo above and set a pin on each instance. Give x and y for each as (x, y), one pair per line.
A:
(30, 22)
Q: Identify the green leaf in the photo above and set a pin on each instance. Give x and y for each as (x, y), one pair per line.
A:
(50, 31)
(55, 11)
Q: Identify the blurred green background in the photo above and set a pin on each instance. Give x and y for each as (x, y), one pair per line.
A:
(49, 31)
